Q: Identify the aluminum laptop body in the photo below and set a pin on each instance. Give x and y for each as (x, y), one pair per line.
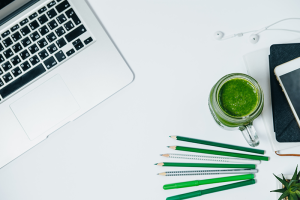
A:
(56, 63)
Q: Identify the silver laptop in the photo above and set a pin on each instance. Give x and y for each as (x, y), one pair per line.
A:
(56, 63)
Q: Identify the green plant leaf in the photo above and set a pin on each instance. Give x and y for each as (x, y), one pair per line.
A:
(291, 183)
(293, 196)
(297, 193)
(298, 176)
(279, 190)
(285, 194)
(282, 181)
(295, 174)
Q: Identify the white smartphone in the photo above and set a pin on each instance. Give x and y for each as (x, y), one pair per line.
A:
(288, 75)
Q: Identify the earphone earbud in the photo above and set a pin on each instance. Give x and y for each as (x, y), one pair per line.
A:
(219, 35)
(254, 38)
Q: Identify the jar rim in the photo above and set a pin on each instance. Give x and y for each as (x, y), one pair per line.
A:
(248, 78)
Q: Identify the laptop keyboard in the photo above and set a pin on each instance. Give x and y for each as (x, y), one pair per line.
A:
(39, 43)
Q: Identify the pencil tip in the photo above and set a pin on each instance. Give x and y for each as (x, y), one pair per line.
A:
(168, 146)
(161, 154)
(170, 136)
(155, 163)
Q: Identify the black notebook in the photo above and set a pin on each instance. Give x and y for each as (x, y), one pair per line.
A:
(285, 124)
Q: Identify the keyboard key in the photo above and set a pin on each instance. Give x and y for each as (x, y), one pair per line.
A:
(25, 30)
(87, 41)
(60, 56)
(6, 66)
(23, 80)
(7, 42)
(17, 47)
(6, 33)
(69, 25)
(34, 60)
(33, 15)
(42, 43)
(43, 19)
(1, 83)
(7, 77)
(75, 33)
(34, 36)
(62, 6)
(33, 49)
(60, 31)
(43, 9)
(26, 42)
(78, 44)
(1, 58)
(15, 60)
(51, 37)
(52, 3)
(16, 71)
(1, 72)
(52, 48)
(61, 18)
(44, 30)
(25, 66)
(1, 47)
(51, 13)
(8, 53)
(14, 28)
(53, 24)
(16, 36)
(58, 1)
(61, 42)
(50, 62)
(43, 54)
(34, 25)
(24, 54)
(71, 14)
(70, 52)
(24, 21)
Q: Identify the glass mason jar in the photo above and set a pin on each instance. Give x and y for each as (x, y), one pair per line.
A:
(229, 122)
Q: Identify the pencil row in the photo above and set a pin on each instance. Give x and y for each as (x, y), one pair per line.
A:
(246, 166)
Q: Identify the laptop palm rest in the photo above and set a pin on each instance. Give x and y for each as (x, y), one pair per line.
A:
(44, 107)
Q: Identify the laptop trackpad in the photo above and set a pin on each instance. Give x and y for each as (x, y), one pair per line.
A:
(44, 107)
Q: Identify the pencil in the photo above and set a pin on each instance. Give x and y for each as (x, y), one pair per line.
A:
(207, 181)
(212, 165)
(208, 172)
(210, 158)
(212, 190)
(221, 153)
(217, 144)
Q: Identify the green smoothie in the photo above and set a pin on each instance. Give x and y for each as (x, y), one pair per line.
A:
(238, 97)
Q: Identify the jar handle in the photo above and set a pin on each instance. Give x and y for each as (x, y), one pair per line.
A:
(250, 134)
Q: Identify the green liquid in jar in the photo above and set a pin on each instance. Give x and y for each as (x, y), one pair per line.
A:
(238, 97)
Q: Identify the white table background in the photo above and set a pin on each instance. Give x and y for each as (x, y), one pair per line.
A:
(109, 153)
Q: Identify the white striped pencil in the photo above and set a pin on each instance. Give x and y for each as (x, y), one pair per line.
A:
(211, 158)
(208, 172)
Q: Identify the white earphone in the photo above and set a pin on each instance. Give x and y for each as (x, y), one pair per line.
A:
(253, 38)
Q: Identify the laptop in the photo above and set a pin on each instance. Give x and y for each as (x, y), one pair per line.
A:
(56, 63)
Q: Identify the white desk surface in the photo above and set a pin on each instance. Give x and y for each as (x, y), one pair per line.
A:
(109, 153)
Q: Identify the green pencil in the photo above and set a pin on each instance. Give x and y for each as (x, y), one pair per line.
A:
(212, 190)
(207, 181)
(212, 165)
(217, 144)
(221, 153)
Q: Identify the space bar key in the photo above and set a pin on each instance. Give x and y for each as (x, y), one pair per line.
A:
(21, 81)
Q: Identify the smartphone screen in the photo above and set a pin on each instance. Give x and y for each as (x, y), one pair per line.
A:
(291, 83)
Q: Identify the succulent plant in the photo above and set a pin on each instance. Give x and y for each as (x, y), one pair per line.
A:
(290, 189)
